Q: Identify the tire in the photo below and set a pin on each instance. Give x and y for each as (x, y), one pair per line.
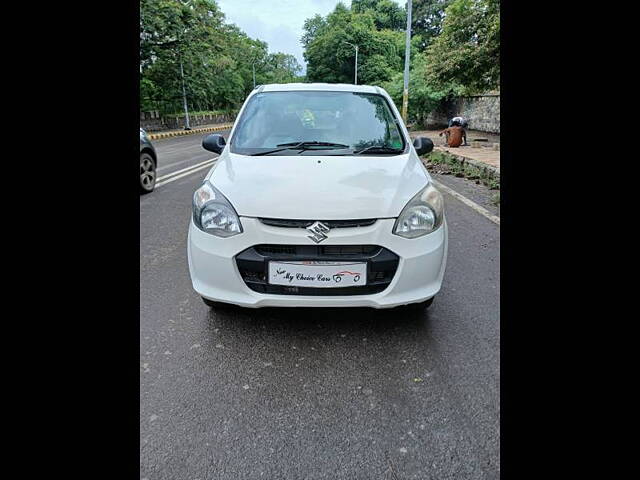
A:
(422, 305)
(147, 178)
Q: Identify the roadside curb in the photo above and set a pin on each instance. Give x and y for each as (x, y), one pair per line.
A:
(470, 203)
(490, 169)
(178, 133)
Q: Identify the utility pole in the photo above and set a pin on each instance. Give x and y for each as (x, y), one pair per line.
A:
(253, 65)
(356, 76)
(184, 99)
(405, 93)
(355, 82)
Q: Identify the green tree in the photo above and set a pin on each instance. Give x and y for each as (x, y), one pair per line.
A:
(331, 58)
(426, 19)
(187, 32)
(424, 95)
(217, 58)
(280, 68)
(387, 13)
(463, 59)
(467, 52)
(455, 48)
(312, 28)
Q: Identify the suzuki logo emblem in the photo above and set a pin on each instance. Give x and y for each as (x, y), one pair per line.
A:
(318, 232)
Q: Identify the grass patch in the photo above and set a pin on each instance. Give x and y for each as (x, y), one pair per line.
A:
(444, 163)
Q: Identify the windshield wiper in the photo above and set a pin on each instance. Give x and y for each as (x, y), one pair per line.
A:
(313, 143)
(378, 149)
(302, 146)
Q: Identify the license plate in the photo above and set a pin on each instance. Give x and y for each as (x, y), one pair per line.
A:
(318, 274)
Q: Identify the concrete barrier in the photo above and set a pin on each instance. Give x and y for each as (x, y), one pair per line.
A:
(179, 133)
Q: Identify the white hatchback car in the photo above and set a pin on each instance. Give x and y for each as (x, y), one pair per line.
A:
(318, 199)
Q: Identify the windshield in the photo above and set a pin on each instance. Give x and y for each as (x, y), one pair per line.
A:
(337, 122)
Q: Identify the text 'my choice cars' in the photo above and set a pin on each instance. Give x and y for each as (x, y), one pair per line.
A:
(148, 164)
(318, 199)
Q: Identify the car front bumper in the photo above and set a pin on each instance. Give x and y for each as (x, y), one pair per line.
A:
(215, 274)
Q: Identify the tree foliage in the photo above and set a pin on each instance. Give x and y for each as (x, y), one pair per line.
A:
(312, 28)
(387, 14)
(467, 52)
(424, 95)
(455, 47)
(427, 17)
(376, 26)
(217, 58)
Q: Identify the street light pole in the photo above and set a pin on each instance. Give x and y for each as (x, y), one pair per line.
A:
(356, 75)
(405, 92)
(184, 99)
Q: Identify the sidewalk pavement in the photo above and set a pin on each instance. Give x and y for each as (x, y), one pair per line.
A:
(201, 129)
(484, 155)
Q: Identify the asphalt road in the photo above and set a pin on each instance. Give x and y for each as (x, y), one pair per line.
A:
(314, 393)
(177, 153)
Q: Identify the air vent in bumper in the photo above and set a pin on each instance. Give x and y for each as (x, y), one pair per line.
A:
(381, 267)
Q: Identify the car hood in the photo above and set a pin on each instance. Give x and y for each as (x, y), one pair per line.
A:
(314, 187)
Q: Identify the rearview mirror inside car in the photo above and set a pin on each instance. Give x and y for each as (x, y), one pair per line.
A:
(423, 145)
(214, 143)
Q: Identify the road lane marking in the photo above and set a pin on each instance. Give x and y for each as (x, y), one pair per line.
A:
(168, 166)
(481, 210)
(178, 177)
(164, 181)
(190, 167)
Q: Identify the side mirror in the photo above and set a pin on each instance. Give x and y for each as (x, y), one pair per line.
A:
(214, 143)
(423, 145)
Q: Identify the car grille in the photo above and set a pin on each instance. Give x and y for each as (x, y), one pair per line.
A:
(313, 251)
(277, 222)
(381, 267)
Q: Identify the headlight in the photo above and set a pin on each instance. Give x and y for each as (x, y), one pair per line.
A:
(212, 212)
(423, 214)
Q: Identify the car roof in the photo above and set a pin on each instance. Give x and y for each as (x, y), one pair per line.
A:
(329, 87)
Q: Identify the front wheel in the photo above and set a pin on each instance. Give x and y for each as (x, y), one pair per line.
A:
(147, 173)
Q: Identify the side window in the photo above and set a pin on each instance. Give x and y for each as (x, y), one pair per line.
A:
(246, 120)
(394, 138)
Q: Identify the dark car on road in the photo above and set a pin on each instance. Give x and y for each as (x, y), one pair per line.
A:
(148, 164)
